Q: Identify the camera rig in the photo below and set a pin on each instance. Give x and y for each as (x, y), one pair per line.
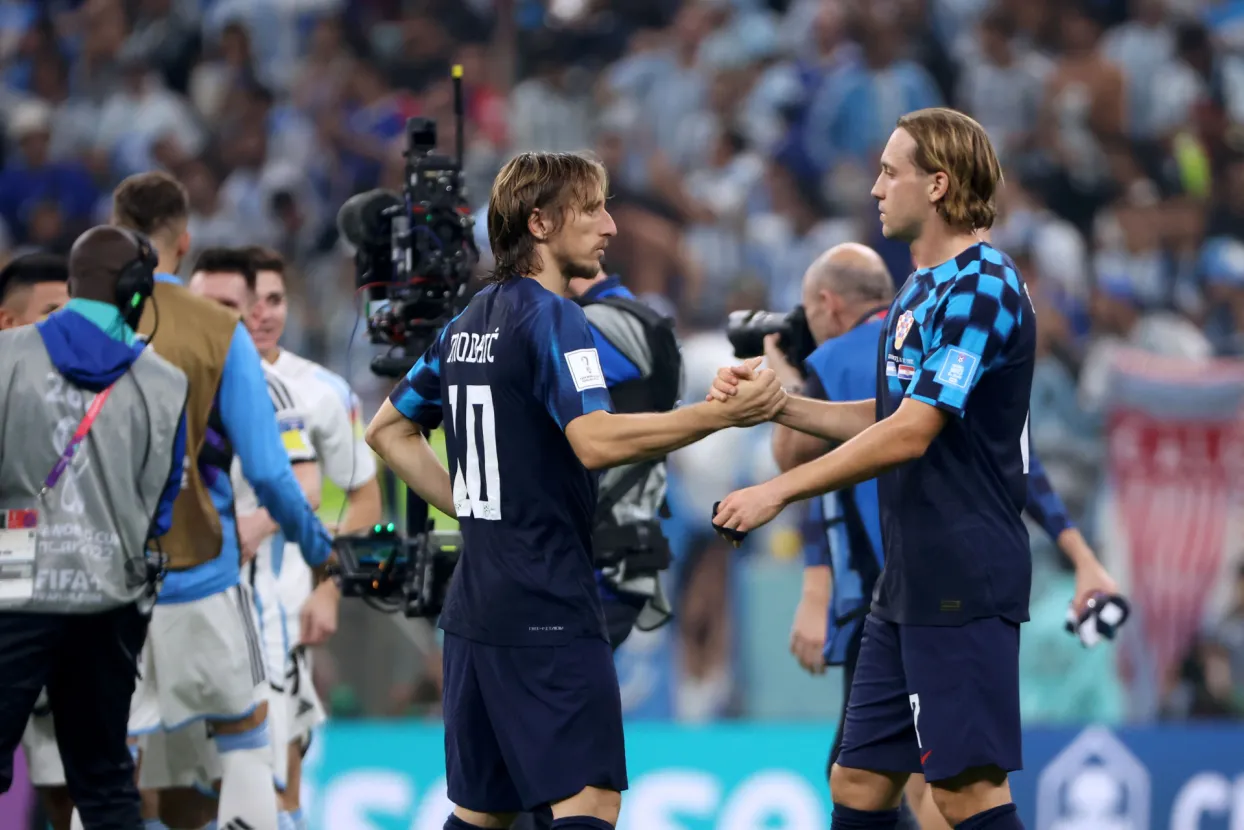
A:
(414, 252)
(399, 573)
(414, 255)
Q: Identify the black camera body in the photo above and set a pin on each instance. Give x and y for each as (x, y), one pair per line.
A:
(393, 573)
(414, 252)
(747, 331)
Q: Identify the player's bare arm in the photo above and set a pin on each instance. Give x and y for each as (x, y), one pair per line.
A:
(888, 443)
(258, 525)
(401, 444)
(834, 421)
(602, 440)
(363, 507)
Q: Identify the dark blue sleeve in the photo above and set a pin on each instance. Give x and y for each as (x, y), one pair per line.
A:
(569, 380)
(250, 425)
(162, 522)
(815, 539)
(418, 396)
(965, 334)
(1044, 505)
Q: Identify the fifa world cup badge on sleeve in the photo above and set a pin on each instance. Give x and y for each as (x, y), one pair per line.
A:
(18, 532)
(901, 328)
(585, 369)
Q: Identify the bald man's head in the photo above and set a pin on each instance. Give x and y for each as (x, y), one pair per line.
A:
(96, 261)
(841, 286)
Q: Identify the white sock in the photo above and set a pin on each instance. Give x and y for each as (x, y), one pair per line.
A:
(286, 820)
(75, 821)
(246, 793)
(300, 821)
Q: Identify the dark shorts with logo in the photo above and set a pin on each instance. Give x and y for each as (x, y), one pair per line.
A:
(530, 725)
(934, 699)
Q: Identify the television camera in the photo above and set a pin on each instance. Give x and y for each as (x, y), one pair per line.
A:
(414, 255)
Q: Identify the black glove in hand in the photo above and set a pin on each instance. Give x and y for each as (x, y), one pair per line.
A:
(731, 535)
(1101, 620)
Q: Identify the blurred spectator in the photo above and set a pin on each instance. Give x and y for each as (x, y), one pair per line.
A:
(138, 114)
(1119, 320)
(853, 112)
(549, 110)
(1085, 105)
(1005, 85)
(34, 186)
(1143, 48)
(229, 63)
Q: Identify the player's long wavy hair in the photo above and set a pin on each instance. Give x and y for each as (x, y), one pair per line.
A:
(552, 183)
(950, 142)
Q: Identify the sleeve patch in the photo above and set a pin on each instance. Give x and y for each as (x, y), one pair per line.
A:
(958, 369)
(585, 369)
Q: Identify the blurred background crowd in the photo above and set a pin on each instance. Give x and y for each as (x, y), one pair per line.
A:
(742, 138)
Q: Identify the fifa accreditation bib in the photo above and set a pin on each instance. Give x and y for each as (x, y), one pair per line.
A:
(18, 532)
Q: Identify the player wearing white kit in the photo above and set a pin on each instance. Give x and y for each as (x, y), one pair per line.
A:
(186, 758)
(335, 426)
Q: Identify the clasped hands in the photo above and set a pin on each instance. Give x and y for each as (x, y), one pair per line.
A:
(754, 395)
(750, 395)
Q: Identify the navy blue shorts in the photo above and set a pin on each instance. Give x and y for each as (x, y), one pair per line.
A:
(935, 699)
(527, 726)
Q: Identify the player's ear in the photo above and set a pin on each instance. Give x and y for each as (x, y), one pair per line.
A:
(939, 184)
(538, 225)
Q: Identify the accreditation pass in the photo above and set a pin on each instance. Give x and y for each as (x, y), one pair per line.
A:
(18, 531)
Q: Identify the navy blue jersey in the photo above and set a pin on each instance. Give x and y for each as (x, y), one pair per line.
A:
(506, 377)
(1044, 505)
(960, 337)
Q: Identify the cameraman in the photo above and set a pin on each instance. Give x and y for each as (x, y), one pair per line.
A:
(643, 371)
(846, 293)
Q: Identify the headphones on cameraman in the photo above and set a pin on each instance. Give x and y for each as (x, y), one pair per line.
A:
(136, 282)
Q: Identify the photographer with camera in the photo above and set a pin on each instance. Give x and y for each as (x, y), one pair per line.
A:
(846, 293)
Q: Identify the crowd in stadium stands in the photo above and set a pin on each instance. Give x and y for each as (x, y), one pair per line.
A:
(741, 137)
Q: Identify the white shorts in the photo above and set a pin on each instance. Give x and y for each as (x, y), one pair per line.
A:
(187, 756)
(294, 584)
(204, 660)
(303, 705)
(278, 663)
(39, 740)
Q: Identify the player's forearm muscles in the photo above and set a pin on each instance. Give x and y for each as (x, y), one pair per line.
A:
(602, 440)
(400, 443)
(1072, 543)
(903, 436)
(829, 420)
(792, 448)
(308, 475)
(363, 507)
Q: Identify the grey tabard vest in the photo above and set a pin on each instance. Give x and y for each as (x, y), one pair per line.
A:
(92, 527)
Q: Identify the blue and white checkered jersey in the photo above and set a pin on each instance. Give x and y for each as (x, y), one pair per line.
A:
(960, 336)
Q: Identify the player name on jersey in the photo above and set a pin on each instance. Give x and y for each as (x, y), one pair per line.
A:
(468, 347)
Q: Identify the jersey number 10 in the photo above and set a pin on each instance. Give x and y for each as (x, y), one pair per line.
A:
(477, 478)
